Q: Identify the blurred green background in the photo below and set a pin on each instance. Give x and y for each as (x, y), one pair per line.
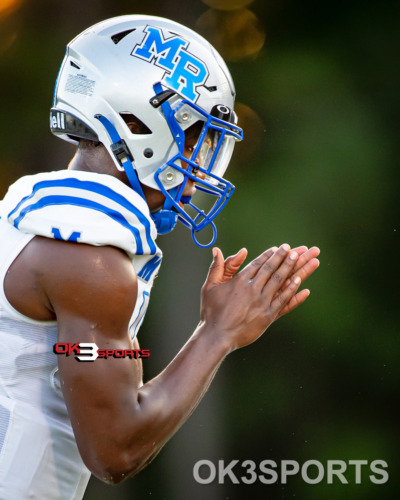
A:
(319, 101)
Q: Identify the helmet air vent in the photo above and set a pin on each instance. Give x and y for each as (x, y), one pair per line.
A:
(119, 36)
(72, 63)
(136, 126)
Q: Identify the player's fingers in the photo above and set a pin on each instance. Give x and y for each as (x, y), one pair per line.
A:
(300, 250)
(278, 268)
(312, 253)
(284, 297)
(306, 256)
(306, 264)
(294, 302)
(270, 266)
(305, 271)
(250, 271)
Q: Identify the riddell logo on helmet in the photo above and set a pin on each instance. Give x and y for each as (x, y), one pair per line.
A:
(185, 71)
(57, 120)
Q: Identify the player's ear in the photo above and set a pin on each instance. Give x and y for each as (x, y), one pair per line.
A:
(134, 127)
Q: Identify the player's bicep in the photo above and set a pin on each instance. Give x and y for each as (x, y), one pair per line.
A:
(93, 296)
(93, 285)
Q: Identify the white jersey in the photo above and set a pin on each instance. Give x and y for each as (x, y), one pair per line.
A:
(39, 458)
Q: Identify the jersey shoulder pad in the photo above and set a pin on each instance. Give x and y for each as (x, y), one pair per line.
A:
(83, 207)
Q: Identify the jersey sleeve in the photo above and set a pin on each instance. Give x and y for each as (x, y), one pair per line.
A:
(82, 207)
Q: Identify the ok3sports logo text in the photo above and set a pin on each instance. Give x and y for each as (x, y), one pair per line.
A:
(88, 351)
(185, 71)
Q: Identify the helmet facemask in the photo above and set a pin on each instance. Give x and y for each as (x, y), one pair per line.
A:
(216, 134)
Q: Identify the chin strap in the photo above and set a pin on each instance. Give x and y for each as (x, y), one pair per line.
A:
(122, 154)
(165, 219)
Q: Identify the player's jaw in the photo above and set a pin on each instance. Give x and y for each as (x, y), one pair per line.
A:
(155, 198)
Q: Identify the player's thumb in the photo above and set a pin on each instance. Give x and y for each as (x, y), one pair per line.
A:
(216, 271)
(232, 264)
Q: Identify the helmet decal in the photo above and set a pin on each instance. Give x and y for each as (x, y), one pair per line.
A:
(184, 71)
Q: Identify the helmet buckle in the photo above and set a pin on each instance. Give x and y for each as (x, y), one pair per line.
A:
(121, 151)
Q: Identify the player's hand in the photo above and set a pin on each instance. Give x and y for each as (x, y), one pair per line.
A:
(243, 306)
(306, 264)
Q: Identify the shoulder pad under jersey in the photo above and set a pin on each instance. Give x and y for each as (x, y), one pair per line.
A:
(83, 207)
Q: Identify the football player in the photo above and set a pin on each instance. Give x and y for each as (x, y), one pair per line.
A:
(149, 104)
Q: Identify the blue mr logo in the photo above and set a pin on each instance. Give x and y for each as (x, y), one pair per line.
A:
(185, 71)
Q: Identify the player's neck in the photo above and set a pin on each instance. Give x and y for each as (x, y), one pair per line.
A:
(96, 160)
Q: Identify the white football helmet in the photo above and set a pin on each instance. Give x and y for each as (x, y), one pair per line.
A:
(169, 78)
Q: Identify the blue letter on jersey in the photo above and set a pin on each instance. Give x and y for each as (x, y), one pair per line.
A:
(57, 235)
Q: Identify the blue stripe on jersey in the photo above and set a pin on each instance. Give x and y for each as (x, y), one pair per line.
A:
(82, 202)
(140, 317)
(148, 269)
(97, 188)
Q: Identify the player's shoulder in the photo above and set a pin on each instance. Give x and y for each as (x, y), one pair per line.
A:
(81, 264)
(85, 207)
(74, 183)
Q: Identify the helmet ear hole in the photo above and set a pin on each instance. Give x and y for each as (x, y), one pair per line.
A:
(135, 125)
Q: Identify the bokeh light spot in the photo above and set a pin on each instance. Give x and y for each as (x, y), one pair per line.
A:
(237, 35)
(8, 6)
(227, 4)
(7, 38)
(253, 134)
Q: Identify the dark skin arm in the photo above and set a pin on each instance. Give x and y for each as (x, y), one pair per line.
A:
(120, 425)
